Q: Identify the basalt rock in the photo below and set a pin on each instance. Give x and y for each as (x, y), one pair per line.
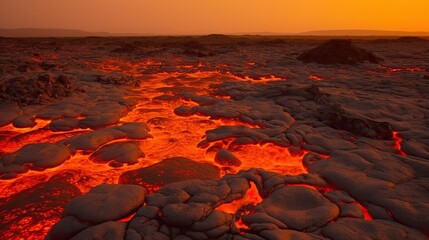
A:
(201, 209)
(41, 89)
(168, 171)
(338, 118)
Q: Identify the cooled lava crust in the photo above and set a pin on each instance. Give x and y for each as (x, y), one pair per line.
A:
(213, 137)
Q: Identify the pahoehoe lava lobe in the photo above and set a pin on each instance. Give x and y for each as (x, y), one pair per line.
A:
(195, 209)
(106, 203)
(296, 207)
(226, 158)
(118, 153)
(34, 156)
(169, 170)
(338, 51)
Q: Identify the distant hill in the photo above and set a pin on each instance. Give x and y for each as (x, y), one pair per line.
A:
(51, 32)
(58, 32)
(362, 33)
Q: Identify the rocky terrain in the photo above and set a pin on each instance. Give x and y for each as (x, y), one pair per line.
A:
(214, 137)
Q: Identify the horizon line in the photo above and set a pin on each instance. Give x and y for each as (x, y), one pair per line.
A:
(323, 32)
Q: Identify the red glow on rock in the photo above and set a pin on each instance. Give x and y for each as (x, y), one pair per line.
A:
(393, 70)
(366, 214)
(127, 219)
(397, 143)
(316, 77)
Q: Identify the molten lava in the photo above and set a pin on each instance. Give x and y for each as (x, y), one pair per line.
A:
(156, 98)
(242, 206)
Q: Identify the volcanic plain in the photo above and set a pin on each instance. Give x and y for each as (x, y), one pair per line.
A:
(214, 137)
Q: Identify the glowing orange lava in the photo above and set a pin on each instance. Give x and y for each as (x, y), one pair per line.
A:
(173, 135)
(267, 78)
(242, 206)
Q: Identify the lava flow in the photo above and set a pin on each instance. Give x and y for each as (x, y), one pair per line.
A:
(155, 100)
(190, 138)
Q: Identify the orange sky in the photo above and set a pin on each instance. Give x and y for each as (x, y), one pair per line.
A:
(215, 16)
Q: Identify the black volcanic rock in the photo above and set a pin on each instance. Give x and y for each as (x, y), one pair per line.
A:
(338, 118)
(195, 48)
(37, 90)
(102, 203)
(338, 51)
(226, 158)
(349, 228)
(197, 209)
(118, 153)
(168, 171)
(37, 156)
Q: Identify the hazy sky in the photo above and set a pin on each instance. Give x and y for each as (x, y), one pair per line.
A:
(215, 16)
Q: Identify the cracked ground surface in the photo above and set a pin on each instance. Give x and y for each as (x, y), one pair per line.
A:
(212, 138)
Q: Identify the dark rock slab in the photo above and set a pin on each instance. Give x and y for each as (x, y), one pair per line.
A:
(338, 51)
(106, 203)
(41, 89)
(277, 234)
(168, 171)
(200, 209)
(95, 139)
(381, 179)
(120, 152)
(338, 118)
(35, 156)
(99, 121)
(61, 110)
(297, 207)
(24, 121)
(8, 112)
(184, 215)
(66, 228)
(104, 231)
(353, 229)
(65, 124)
(226, 158)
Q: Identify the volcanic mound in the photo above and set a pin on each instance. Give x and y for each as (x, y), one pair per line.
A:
(338, 51)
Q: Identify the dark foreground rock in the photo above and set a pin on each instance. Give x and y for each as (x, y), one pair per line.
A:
(229, 209)
(377, 229)
(37, 207)
(338, 51)
(106, 203)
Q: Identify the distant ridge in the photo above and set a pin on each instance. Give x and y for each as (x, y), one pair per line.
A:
(359, 32)
(49, 32)
(58, 32)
